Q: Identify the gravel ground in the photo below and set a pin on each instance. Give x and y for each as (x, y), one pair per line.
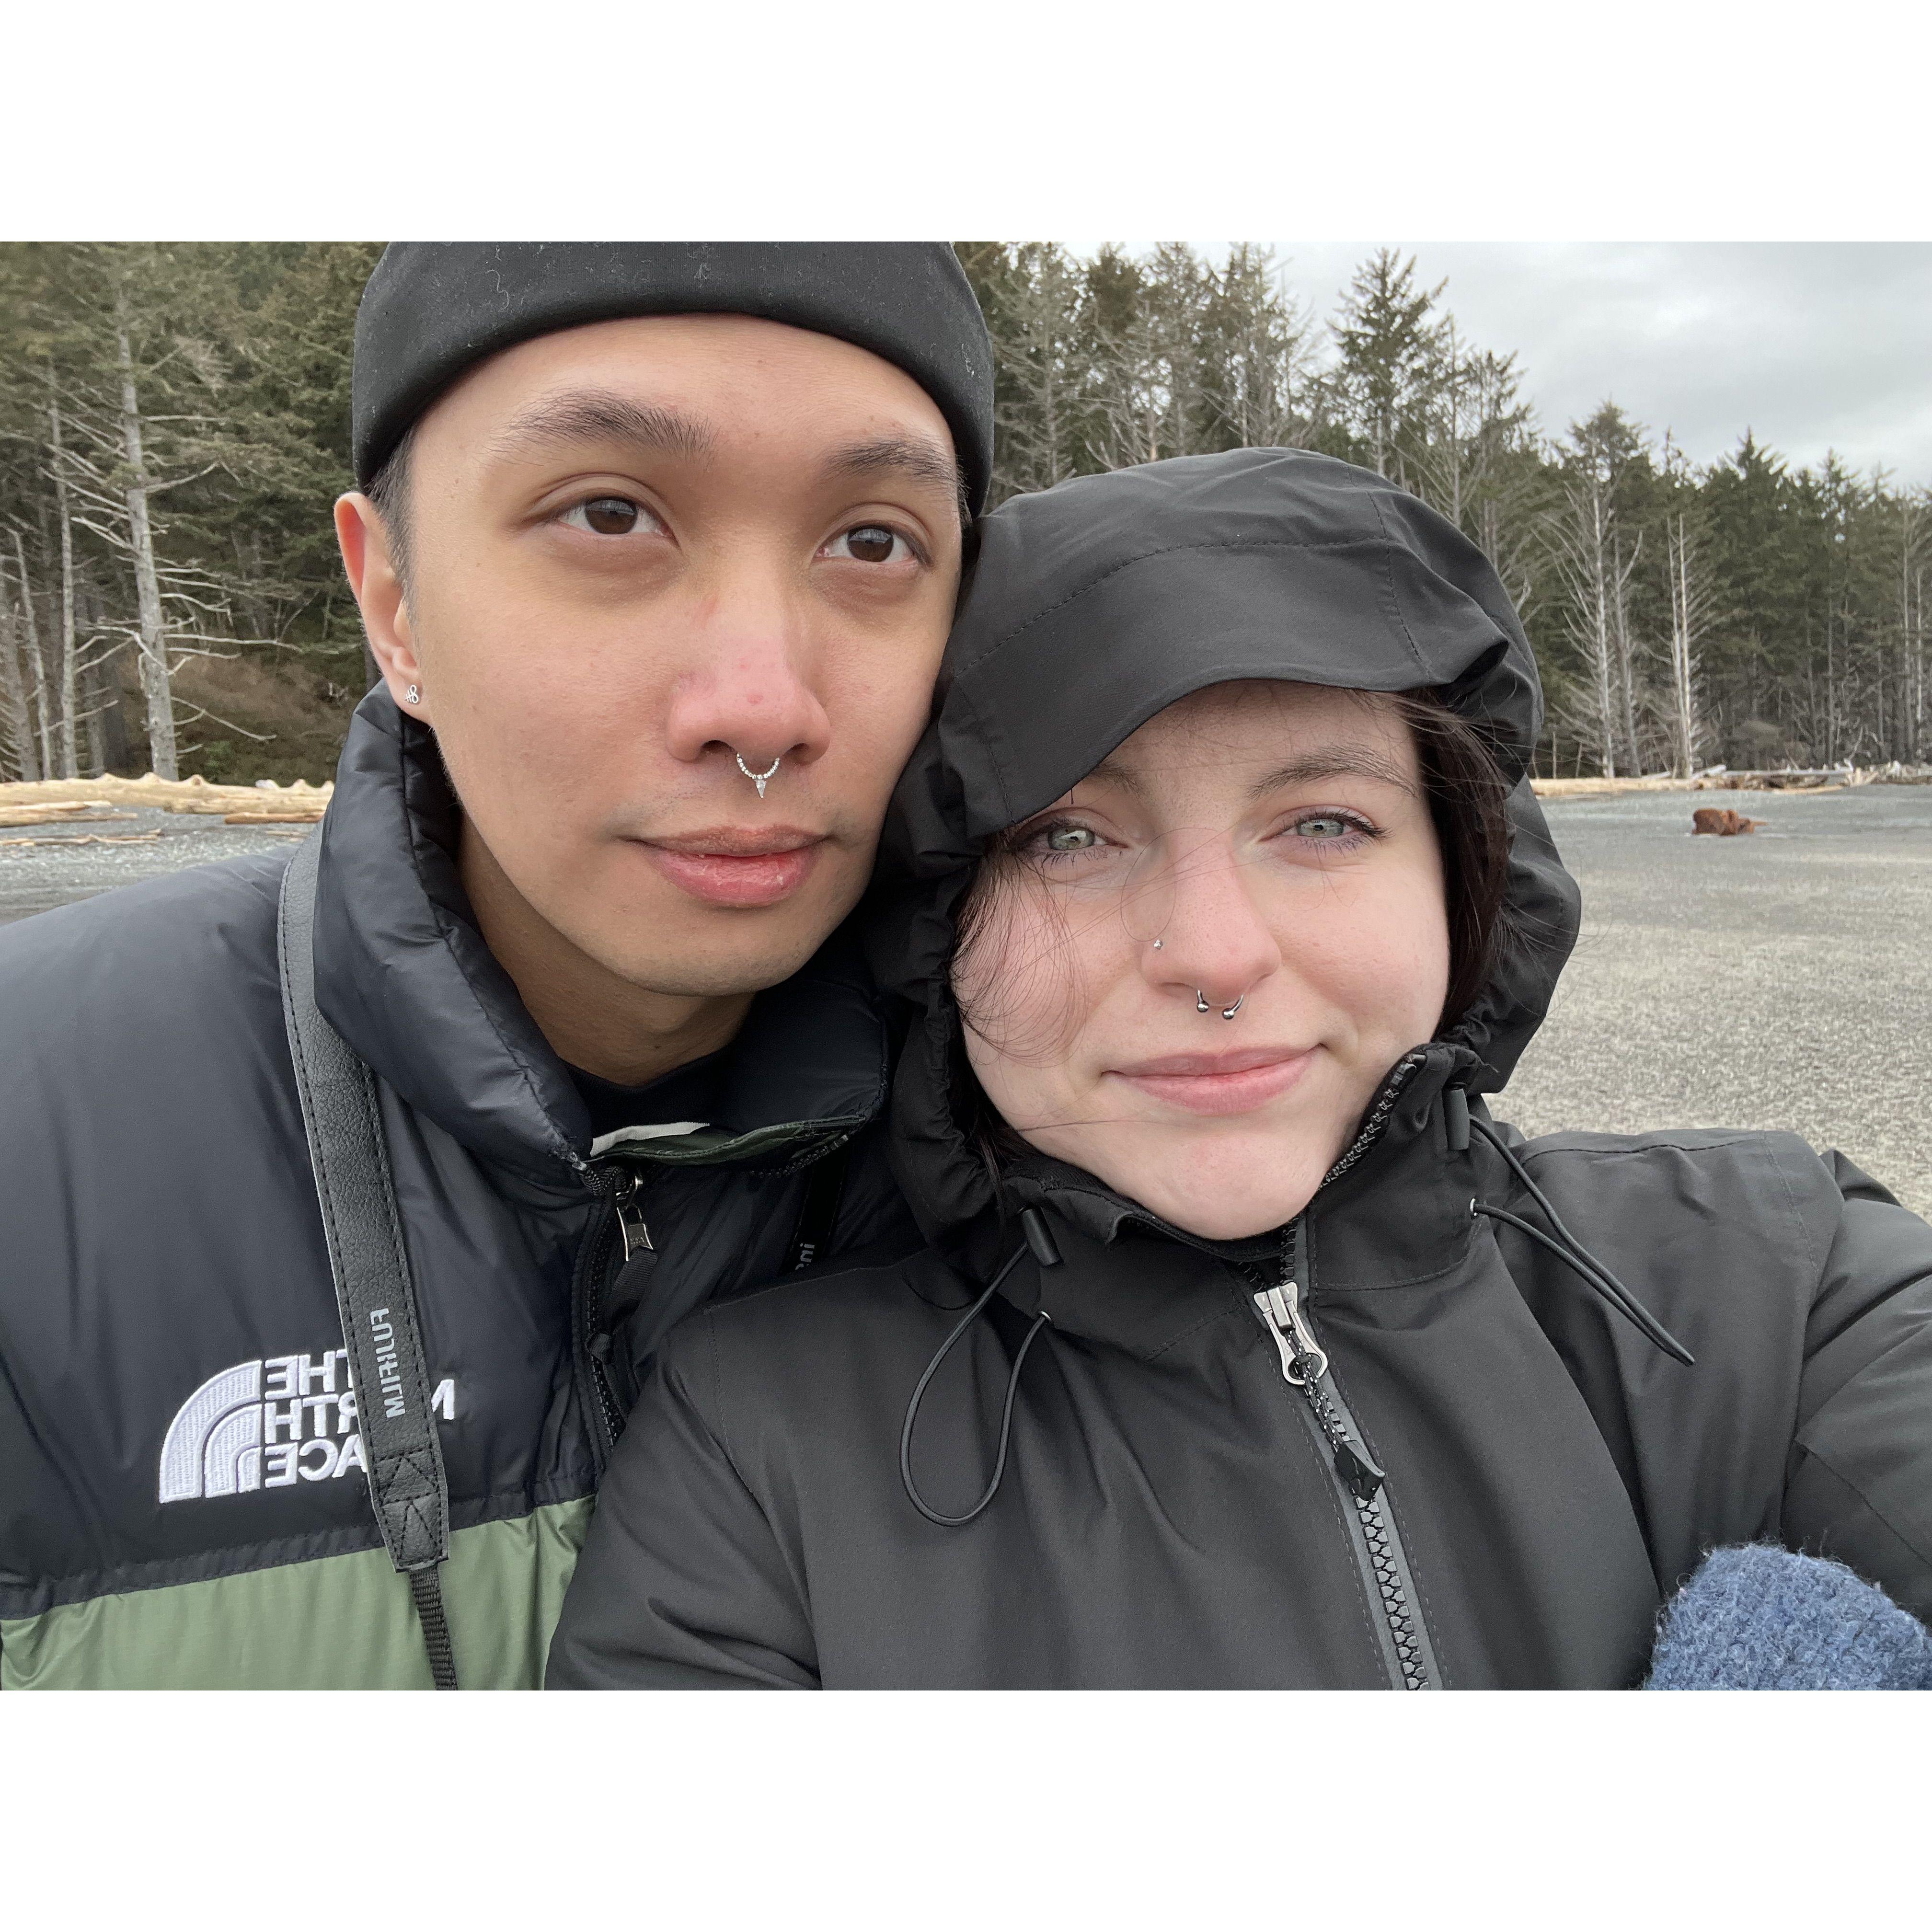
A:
(1782, 980)
(55, 865)
(1779, 980)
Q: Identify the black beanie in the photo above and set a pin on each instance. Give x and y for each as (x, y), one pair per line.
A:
(434, 309)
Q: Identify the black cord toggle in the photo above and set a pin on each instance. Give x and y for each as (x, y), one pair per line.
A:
(1568, 1250)
(1040, 1243)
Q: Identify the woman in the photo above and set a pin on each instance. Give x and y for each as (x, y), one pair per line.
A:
(1245, 1349)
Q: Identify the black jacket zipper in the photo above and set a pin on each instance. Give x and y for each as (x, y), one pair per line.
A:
(619, 1220)
(1362, 1486)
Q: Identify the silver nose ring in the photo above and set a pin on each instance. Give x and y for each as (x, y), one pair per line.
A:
(1201, 1005)
(760, 779)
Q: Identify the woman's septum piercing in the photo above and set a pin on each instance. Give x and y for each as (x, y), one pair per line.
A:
(1201, 1005)
(760, 779)
(1200, 1000)
(1228, 1013)
(413, 695)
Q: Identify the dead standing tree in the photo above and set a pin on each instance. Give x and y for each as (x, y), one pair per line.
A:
(36, 663)
(70, 649)
(154, 635)
(1597, 576)
(17, 714)
(1692, 610)
(1912, 516)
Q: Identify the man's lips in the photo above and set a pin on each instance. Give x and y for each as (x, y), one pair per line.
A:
(1218, 1083)
(736, 866)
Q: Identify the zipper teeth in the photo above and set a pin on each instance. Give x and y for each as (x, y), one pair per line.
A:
(1372, 1128)
(1304, 1365)
(593, 1294)
(1381, 1556)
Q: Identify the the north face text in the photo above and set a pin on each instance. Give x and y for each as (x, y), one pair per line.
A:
(264, 1425)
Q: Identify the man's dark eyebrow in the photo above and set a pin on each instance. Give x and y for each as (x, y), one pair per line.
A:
(602, 416)
(915, 457)
(1333, 761)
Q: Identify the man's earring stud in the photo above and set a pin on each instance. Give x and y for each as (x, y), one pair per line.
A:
(414, 694)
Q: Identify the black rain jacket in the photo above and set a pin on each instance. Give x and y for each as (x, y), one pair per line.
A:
(1464, 1467)
(183, 1499)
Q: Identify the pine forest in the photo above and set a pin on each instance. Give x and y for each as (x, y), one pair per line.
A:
(174, 426)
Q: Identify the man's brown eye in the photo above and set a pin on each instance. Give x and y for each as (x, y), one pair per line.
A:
(871, 543)
(611, 516)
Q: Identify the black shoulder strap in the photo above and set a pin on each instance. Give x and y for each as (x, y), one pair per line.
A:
(371, 1264)
(818, 1214)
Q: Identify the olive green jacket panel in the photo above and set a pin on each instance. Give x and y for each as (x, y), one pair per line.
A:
(337, 1623)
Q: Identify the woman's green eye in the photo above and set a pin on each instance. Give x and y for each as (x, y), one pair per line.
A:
(1071, 838)
(1324, 827)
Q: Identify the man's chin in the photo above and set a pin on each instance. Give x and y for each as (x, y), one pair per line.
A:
(761, 952)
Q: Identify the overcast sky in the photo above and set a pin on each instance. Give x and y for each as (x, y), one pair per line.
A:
(1811, 345)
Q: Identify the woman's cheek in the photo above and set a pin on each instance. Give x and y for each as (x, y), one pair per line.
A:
(1022, 987)
(1401, 963)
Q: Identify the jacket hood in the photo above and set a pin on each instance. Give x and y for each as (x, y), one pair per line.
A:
(402, 973)
(1095, 604)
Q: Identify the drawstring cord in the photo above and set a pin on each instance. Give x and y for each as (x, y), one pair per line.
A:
(1040, 1243)
(1566, 1248)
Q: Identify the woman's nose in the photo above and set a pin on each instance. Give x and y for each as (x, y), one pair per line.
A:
(1216, 943)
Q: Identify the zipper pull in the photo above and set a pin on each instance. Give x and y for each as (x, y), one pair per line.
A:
(1303, 1362)
(631, 1223)
(1355, 1466)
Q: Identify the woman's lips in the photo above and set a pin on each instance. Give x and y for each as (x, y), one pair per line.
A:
(1218, 1083)
(728, 867)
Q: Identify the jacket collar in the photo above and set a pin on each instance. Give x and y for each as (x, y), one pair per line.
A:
(402, 973)
(1398, 1216)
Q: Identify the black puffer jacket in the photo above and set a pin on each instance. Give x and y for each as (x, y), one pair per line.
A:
(183, 1497)
(1498, 1477)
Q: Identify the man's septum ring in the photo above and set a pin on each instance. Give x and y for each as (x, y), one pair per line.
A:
(760, 779)
(1227, 1012)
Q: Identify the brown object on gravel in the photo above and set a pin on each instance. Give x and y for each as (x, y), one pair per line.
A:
(1722, 821)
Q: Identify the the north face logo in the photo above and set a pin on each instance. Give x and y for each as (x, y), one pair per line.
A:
(264, 1425)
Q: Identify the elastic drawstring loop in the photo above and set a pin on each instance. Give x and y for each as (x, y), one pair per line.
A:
(1040, 1243)
(1570, 1251)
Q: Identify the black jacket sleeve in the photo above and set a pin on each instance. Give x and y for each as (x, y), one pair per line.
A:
(1859, 1487)
(681, 1585)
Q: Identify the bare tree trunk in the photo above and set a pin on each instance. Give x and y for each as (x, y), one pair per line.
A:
(1690, 603)
(1919, 667)
(1626, 652)
(154, 681)
(1911, 641)
(19, 718)
(35, 660)
(1602, 646)
(69, 765)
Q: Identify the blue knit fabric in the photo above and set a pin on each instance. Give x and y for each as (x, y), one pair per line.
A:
(1762, 1619)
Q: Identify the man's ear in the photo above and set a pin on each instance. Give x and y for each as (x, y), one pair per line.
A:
(378, 594)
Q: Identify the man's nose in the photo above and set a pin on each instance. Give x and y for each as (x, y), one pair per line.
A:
(1217, 942)
(750, 691)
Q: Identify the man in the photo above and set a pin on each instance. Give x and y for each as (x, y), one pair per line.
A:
(656, 551)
